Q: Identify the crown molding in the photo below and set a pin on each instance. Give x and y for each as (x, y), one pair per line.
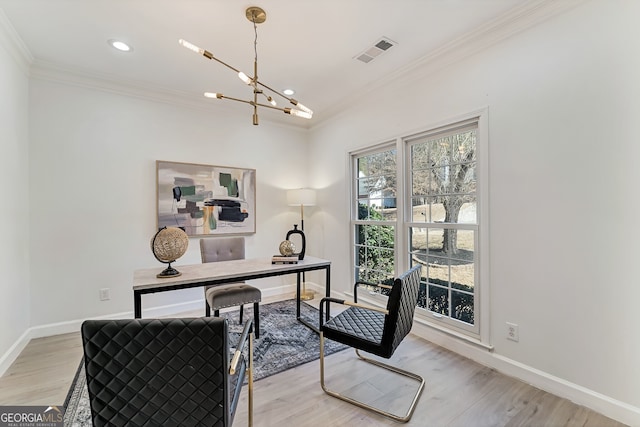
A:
(507, 25)
(73, 76)
(512, 22)
(10, 39)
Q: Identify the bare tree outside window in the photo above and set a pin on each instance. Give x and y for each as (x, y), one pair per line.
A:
(443, 194)
(444, 175)
(439, 186)
(377, 183)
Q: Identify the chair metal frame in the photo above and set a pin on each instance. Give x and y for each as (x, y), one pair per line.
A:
(325, 301)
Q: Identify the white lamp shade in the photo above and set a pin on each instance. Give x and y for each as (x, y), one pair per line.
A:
(301, 196)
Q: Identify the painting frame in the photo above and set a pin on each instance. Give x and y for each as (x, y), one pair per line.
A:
(205, 200)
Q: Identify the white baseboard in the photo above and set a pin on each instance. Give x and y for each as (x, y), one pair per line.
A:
(605, 405)
(14, 351)
(610, 407)
(312, 286)
(74, 325)
(484, 355)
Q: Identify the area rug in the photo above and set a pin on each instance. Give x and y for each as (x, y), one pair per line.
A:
(283, 344)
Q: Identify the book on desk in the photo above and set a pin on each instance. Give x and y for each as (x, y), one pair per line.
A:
(281, 259)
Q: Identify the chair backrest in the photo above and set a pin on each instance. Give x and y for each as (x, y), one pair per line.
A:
(401, 306)
(222, 249)
(158, 371)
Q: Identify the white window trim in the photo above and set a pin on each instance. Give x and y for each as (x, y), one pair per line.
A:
(481, 328)
(483, 335)
(353, 202)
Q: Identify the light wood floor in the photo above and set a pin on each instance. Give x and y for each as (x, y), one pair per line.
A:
(458, 392)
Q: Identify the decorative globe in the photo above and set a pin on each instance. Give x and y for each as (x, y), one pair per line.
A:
(169, 244)
(287, 248)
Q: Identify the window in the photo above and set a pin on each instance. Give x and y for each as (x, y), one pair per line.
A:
(442, 221)
(424, 210)
(375, 215)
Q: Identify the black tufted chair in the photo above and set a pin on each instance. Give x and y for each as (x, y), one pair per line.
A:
(376, 331)
(165, 372)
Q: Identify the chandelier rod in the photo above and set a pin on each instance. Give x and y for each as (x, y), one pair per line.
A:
(291, 111)
(257, 16)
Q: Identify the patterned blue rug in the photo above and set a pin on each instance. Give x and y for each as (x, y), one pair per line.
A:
(283, 344)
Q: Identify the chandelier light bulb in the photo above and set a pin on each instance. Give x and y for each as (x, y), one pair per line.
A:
(244, 78)
(191, 46)
(300, 106)
(297, 113)
(255, 15)
(305, 109)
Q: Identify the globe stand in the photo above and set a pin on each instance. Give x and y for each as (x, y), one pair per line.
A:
(168, 272)
(167, 245)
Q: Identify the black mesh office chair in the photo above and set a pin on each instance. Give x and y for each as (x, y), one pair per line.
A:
(376, 331)
(165, 372)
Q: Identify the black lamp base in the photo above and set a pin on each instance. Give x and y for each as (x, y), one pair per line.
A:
(168, 272)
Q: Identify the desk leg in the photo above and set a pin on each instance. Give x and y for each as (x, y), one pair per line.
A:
(327, 286)
(137, 305)
(298, 295)
(300, 319)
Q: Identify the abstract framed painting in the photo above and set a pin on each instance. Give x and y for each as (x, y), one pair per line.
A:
(206, 200)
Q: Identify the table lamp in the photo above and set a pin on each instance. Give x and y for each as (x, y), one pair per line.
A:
(302, 197)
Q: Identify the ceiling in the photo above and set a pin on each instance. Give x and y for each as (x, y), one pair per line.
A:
(306, 45)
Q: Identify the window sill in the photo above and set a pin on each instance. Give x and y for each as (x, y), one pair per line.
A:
(421, 320)
(424, 322)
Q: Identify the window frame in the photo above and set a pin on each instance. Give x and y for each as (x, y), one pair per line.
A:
(354, 202)
(479, 331)
(409, 224)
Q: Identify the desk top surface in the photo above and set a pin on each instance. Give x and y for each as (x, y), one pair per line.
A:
(221, 270)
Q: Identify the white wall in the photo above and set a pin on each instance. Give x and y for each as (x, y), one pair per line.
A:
(92, 172)
(14, 176)
(562, 99)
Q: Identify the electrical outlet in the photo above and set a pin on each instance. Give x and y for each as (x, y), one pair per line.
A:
(104, 294)
(512, 332)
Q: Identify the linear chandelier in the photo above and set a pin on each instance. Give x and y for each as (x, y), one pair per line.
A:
(257, 16)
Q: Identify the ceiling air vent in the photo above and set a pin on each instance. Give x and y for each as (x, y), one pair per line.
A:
(379, 47)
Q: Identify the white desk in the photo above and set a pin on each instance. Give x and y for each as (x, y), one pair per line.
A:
(218, 273)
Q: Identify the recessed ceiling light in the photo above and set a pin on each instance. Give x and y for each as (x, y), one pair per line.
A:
(289, 92)
(122, 46)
